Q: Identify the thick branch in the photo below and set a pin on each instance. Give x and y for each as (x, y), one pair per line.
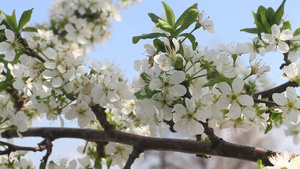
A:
(277, 89)
(101, 117)
(224, 149)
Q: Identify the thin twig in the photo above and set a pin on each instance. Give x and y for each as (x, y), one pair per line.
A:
(101, 117)
(133, 155)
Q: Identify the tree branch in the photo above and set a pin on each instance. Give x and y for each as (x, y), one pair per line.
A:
(12, 148)
(224, 149)
(29, 51)
(101, 117)
(277, 89)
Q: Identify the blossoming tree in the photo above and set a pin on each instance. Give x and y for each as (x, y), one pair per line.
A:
(45, 73)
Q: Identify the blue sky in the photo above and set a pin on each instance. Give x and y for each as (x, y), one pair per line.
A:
(228, 16)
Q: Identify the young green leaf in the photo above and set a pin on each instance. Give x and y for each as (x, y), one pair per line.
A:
(11, 21)
(250, 30)
(190, 19)
(279, 13)
(169, 14)
(25, 18)
(160, 23)
(136, 39)
(265, 23)
(184, 15)
(29, 29)
(159, 45)
(297, 32)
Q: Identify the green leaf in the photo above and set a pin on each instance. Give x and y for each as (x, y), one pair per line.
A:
(160, 23)
(184, 15)
(259, 164)
(297, 32)
(136, 39)
(190, 19)
(279, 13)
(270, 15)
(11, 21)
(43, 165)
(29, 29)
(169, 14)
(192, 39)
(250, 30)
(265, 23)
(159, 45)
(25, 18)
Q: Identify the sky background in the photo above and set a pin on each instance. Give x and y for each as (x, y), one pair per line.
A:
(228, 16)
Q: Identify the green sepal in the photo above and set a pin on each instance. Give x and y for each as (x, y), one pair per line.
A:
(108, 163)
(25, 18)
(297, 32)
(169, 14)
(250, 30)
(11, 21)
(42, 165)
(190, 19)
(136, 39)
(183, 16)
(160, 23)
(279, 13)
(148, 92)
(192, 39)
(269, 128)
(29, 29)
(259, 164)
(159, 45)
(97, 164)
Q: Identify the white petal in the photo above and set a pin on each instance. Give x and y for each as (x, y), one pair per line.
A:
(275, 30)
(237, 85)
(4, 46)
(177, 90)
(267, 38)
(246, 100)
(50, 65)
(179, 111)
(225, 88)
(234, 111)
(190, 105)
(177, 77)
(229, 72)
(10, 54)
(291, 93)
(294, 116)
(279, 99)
(57, 82)
(286, 35)
(283, 47)
(10, 35)
(195, 128)
(155, 84)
